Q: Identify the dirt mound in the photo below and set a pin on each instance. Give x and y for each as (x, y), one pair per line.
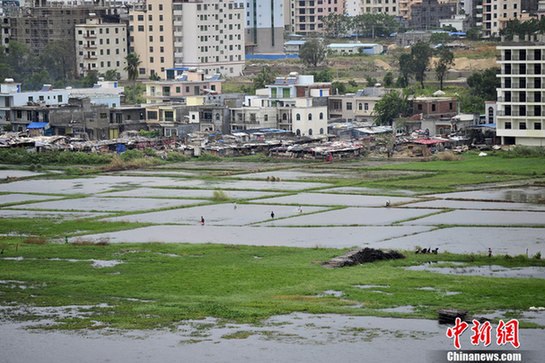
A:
(383, 65)
(357, 257)
(467, 64)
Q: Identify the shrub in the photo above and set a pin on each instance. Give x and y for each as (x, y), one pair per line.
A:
(37, 240)
(447, 156)
(209, 157)
(537, 256)
(220, 195)
(176, 156)
(131, 155)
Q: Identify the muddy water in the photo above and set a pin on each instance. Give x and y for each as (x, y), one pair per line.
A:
(337, 199)
(292, 338)
(485, 271)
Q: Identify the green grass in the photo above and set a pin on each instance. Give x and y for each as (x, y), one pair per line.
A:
(55, 228)
(494, 163)
(228, 282)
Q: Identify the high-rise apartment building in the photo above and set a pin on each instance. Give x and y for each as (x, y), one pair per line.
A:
(521, 96)
(358, 7)
(151, 36)
(264, 24)
(101, 47)
(306, 15)
(205, 34)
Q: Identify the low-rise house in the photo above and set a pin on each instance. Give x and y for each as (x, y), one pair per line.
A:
(356, 107)
(78, 117)
(435, 107)
(103, 92)
(188, 83)
(355, 48)
(296, 85)
(11, 95)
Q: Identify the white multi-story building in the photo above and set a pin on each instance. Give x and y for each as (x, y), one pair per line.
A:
(521, 96)
(101, 47)
(358, 7)
(264, 24)
(11, 95)
(205, 34)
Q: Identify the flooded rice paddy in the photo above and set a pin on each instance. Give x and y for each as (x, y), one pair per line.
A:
(507, 220)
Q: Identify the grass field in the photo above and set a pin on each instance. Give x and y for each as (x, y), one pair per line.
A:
(160, 284)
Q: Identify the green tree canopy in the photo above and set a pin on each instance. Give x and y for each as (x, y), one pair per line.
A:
(484, 84)
(266, 76)
(446, 60)
(312, 53)
(391, 106)
(420, 53)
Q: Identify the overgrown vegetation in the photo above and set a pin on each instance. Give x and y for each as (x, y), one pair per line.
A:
(22, 156)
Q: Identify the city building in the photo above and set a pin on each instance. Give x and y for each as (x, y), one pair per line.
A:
(435, 107)
(191, 83)
(101, 47)
(151, 36)
(306, 15)
(355, 107)
(425, 14)
(41, 23)
(296, 85)
(264, 26)
(520, 105)
(358, 7)
(103, 93)
(355, 48)
(11, 95)
(204, 34)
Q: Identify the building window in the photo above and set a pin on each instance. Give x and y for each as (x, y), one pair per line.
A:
(310, 132)
(321, 116)
(508, 125)
(298, 117)
(537, 125)
(349, 105)
(310, 117)
(433, 107)
(360, 106)
(522, 125)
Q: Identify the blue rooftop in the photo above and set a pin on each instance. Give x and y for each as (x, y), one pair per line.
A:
(37, 125)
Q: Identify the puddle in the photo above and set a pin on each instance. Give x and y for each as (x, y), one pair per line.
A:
(353, 216)
(12, 213)
(482, 217)
(400, 309)
(463, 204)
(216, 214)
(296, 337)
(521, 195)
(485, 271)
(55, 312)
(94, 263)
(336, 199)
(23, 198)
(365, 190)
(5, 174)
(334, 293)
(446, 293)
(111, 204)
(187, 193)
(340, 237)
(502, 240)
(370, 286)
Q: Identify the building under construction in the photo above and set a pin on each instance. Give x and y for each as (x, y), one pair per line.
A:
(39, 22)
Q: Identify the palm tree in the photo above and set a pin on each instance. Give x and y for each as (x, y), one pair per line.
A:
(133, 61)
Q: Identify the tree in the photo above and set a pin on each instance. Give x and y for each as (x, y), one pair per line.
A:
(133, 61)
(391, 106)
(420, 53)
(484, 84)
(266, 76)
(439, 38)
(339, 88)
(111, 75)
(324, 75)
(335, 25)
(154, 76)
(388, 79)
(446, 60)
(405, 67)
(312, 53)
(58, 58)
